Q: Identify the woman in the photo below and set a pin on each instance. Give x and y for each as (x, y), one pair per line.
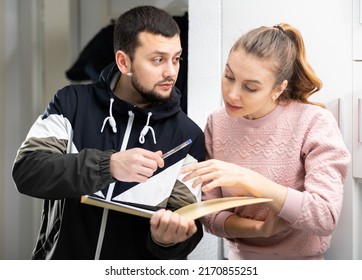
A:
(270, 141)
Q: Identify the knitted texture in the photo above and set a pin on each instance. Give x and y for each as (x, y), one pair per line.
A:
(298, 146)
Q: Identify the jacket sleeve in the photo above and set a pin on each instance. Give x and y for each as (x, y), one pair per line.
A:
(45, 168)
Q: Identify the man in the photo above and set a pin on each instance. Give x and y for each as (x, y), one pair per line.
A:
(112, 134)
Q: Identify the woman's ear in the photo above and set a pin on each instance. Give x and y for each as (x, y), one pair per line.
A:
(123, 62)
(279, 89)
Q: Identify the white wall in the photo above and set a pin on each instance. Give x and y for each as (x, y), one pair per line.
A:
(205, 58)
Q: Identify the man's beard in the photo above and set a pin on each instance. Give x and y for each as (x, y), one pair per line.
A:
(150, 95)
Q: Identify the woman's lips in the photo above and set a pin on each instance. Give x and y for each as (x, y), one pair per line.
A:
(233, 107)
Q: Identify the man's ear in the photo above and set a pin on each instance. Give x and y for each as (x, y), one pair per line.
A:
(123, 62)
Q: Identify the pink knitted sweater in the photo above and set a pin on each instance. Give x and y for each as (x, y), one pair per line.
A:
(299, 146)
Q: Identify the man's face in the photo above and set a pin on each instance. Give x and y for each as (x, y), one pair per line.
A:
(155, 66)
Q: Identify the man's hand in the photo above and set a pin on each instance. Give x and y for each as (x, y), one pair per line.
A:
(168, 228)
(135, 165)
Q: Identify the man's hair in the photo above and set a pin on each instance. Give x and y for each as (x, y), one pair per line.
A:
(141, 19)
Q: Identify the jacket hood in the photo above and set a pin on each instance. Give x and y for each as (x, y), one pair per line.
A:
(159, 110)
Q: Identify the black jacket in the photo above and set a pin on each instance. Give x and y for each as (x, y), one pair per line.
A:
(66, 154)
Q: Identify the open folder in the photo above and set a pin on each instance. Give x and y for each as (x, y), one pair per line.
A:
(144, 199)
(191, 212)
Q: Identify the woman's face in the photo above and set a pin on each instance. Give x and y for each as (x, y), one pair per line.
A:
(248, 86)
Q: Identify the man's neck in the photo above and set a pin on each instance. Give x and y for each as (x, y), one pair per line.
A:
(125, 91)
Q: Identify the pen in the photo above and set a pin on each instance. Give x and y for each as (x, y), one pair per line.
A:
(176, 149)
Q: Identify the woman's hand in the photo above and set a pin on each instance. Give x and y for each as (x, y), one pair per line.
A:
(216, 173)
(240, 227)
(273, 225)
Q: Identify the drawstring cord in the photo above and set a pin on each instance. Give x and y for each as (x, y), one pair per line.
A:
(146, 129)
(112, 123)
(110, 118)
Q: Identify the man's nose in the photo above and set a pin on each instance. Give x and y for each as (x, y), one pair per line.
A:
(171, 69)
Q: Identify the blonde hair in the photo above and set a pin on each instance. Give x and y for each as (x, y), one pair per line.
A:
(283, 45)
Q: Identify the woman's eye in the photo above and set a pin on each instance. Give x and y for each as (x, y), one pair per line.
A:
(229, 77)
(249, 89)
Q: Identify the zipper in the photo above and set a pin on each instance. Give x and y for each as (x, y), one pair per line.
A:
(111, 187)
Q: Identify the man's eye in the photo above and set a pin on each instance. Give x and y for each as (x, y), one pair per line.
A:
(158, 60)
